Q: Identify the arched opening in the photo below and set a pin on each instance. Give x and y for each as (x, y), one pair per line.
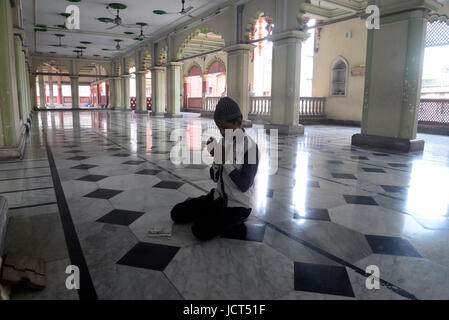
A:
(193, 88)
(215, 79)
(261, 56)
(339, 74)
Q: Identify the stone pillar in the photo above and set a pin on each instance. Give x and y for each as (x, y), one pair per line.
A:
(174, 90)
(141, 99)
(74, 85)
(12, 134)
(42, 97)
(19, 77)
(393, 76)
(237, 82)
(118, 93)
(60, 97)
(126, 96)
(285, 84)
(158, 91)
(50, 84)
(33, 93)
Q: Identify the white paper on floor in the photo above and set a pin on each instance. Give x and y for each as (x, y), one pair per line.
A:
(161, 230)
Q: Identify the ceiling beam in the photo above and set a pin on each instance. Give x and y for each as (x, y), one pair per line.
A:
(92, 33)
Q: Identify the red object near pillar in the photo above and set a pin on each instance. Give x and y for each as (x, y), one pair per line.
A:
(60, 94)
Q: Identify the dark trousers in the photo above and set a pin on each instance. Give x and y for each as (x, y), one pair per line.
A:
(210, 218)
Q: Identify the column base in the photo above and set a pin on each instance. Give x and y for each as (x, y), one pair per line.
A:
(387, 143)
(141, 112)
(247, 124)
(286, 130)
(157, 114)
(178, 115)
(207, 114)
(15, 152)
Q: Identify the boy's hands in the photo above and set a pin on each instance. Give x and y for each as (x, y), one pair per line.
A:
(210, 146)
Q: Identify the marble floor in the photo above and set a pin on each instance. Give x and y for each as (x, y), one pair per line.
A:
(92, 184)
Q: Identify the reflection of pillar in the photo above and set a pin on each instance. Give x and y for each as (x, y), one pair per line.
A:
(74, 84)
(285, 84)
(391, 103)
(50, 83)
(174, 90)
(141, 100)
(42, 97)
(237, 77)
(126, 97)
(158, 91)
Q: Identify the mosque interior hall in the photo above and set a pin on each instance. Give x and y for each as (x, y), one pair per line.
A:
(106, 110)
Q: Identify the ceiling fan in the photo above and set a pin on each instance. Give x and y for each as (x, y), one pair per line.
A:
(141, 36)
(117, 46)
(117, 21)
(59, 45)
(183, 10)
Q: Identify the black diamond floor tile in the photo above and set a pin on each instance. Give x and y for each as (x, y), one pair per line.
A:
(247, 231)
(169, 184)
(398, 165)
(103, 194)
(149, 256)
(270, 193)
(78, 158)
(313, 214)
(391, 246)
(381, 154)
(344, 176)
(121, 217)
(363, 200)
(377, 170)
(112, 149)
(322, 279)
(84, 166)
(334, 162)
(359, 158)
(134, 162)
(92, 178)
(389, 188)
(123, 155)
(149, 172)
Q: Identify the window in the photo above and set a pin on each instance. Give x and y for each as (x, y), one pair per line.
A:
(339, 74)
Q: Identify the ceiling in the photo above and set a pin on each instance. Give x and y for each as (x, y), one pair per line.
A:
(330, 9)
(95, 32)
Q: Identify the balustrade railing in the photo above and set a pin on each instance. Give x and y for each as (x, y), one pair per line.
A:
(312, 106)
(210, 103)
(260, 106)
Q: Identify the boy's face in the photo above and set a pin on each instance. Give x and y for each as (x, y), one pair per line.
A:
(223, 125)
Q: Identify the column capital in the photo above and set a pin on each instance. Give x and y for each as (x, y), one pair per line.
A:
(290, 34)
(239, 47)
(158, 68)
(125, 76)
(74, 77)
(141, 72)
(175, 64)
(400, 7)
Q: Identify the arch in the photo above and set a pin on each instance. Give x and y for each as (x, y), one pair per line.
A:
(250, 26)
(339, 76)
(195, 70)
(215, 65)
(187, 44)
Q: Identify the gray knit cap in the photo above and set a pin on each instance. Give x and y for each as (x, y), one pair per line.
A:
(227, 109)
